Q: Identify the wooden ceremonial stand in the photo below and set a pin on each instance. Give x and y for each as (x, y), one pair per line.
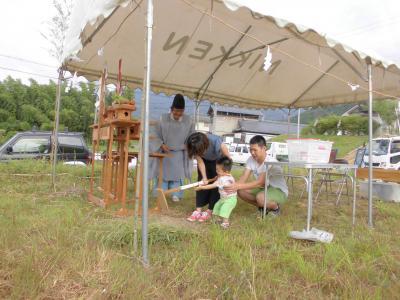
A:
(116, 127)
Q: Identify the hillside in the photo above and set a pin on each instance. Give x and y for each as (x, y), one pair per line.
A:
(308, 116)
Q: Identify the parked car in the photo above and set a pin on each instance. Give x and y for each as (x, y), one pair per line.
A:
(231, 147)
(385, 153)
(37, 145)
(278, 151)
(240, 153)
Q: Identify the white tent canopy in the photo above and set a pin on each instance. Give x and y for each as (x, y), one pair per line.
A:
(191, 40)
(214, 50)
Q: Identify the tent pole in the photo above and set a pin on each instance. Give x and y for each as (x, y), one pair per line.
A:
(288, 123)
(55, 130)
(214, 121)
(370, 134)
(298, 122)
(196, 114)
(145, 187)
(138, 176)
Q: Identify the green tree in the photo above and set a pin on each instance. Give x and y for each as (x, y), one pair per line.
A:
(327, 125)
(32, 115)
(18, 93)
(70, 119)
(23, 107)
(3, 115)
(386, 109)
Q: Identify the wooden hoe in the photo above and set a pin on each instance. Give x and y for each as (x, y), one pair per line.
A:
(161, 197)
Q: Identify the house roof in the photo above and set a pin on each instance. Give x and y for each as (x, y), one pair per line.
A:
(236, 110)
(358, 109)
(267, 127)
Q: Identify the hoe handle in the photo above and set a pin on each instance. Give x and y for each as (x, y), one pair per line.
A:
(185, 187)
(174, 190)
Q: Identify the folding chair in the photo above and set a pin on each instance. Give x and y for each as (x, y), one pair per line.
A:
(358, 161)
(329, 178)
(290, 177)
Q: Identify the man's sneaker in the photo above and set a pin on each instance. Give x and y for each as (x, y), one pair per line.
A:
(194, 216)
(175, 198)
(275, 212)
(261, 210)
(205, 215)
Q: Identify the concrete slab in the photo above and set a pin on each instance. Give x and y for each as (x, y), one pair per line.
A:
(387, 191)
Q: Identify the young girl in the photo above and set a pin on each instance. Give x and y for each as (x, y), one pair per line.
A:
(206, 149)
(227, 202)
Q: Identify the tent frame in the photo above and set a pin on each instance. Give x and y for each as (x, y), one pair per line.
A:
(145, 186)
(145, 115)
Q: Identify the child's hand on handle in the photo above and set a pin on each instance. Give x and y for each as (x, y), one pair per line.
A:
(204, 181)
(212, 179)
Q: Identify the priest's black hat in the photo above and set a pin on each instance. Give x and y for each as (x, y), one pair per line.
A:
(179, 102)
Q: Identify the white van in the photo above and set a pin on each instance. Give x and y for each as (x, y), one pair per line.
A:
(277, 151)
(240, 153)
(385, 153)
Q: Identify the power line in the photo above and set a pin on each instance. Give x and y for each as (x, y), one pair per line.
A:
(369, 27)
(27, 60)
(29, 73)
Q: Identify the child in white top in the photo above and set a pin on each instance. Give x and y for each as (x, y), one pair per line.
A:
(228, 200)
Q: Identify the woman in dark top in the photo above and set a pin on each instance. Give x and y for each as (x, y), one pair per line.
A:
(206, 149)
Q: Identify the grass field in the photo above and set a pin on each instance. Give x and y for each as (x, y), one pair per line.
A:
(57, 245)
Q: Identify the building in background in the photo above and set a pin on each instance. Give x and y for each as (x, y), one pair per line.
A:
(203, 124)
(224, 120)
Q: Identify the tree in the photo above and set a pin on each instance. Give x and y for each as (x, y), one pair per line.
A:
(327, 125)
(354, 125)
(33, 116)
(3, 115)
(58, 27)
(36, 107)
(387, 110)
(70, 119)
(16, 93)
(349, 125)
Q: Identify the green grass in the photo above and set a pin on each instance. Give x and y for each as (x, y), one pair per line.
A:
(344, 144)
(56, 245)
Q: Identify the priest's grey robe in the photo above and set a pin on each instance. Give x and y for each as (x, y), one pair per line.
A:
(174, 133)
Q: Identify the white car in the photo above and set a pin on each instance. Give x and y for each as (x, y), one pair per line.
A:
(277, 151)
(385, 153)
(240, 153)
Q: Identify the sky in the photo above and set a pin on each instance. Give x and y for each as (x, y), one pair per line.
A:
(21, 25)
(371, 26)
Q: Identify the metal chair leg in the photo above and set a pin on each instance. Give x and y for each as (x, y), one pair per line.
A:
(320, 187)
(347, 191)
(341, 188)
